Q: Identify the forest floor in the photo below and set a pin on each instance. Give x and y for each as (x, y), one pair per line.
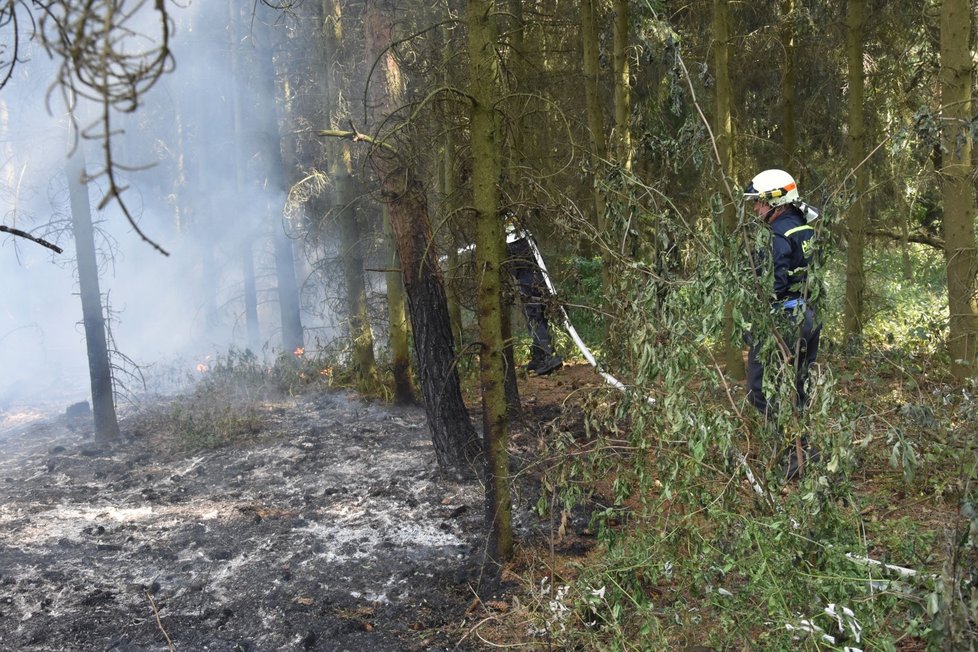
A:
(323, 525)
(327, 527)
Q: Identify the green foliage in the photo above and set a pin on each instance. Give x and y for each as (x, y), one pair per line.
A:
(908, 314)
(702, 541)
(581, 289)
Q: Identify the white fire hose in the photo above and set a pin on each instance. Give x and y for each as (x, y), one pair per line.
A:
(614, 382)
(611, 380)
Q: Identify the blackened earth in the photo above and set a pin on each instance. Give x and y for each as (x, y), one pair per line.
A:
(333, 530)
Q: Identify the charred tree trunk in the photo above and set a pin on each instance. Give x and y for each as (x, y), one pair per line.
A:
(454, 438)
(456, 445)
(99, 368)
(506, 296)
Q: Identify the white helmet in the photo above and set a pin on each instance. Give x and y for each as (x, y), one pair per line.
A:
(775, 187)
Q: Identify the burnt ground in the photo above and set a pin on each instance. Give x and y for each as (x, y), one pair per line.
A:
(330, 529)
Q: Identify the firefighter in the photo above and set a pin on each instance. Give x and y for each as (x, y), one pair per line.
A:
(776, 203)
(534, 296)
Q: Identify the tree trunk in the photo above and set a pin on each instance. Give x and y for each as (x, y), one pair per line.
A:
(595, 116)
(959, 203)
(448, 204)
(788, 81)
(275, 181)
(856, 218)
(99, 368)
(454, 439)
(361, 336)
(486, 135)
(506, 296)
(397, 316)
(250, 294)
(623, 102)
(341, 171)
(247, 243)
(724, 135)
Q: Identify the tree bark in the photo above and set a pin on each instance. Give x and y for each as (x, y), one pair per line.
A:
(397, 316)
(856, 218)
(454, 438)
(724, 134)
(486, 135)
(959, 202)
(99, 368)
(623, 101)
(595, 116)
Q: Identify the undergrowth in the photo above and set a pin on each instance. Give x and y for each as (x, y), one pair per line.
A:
(225, 405)
(702, 542)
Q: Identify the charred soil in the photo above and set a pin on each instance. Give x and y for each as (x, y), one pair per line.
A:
(330, 529)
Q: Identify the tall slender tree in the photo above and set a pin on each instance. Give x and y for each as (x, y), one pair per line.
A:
(590, 49)
(247, 233)
(725, 140)
(93, 318)
(855, 219)
(274, 183)
(623, 102)
(788, 94)
(343, 212)
(957, 68)
(486, 135)
(398, 323)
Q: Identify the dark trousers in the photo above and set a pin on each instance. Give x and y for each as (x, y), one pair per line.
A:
(804, 349)
(533, 297)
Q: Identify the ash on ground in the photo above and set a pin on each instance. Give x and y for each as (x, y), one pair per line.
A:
(332, 530)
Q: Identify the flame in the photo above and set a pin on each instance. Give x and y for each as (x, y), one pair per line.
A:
(201, 367)
(327, 372)
(298, 351)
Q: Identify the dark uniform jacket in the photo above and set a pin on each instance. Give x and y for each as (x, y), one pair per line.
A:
(792, 248)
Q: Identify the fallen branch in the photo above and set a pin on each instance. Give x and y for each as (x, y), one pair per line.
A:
(159, 623)
(28, 236)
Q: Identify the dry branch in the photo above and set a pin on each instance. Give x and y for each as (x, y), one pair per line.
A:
(28, 236)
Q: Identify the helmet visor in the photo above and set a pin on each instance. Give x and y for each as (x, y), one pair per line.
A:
(750, 192)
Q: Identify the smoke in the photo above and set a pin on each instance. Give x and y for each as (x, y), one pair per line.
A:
(195, 170)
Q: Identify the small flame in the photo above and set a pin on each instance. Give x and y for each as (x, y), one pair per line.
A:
(298, 351)
(327, 372)
(201, 367)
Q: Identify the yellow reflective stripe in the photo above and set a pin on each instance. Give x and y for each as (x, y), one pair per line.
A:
(798, 228)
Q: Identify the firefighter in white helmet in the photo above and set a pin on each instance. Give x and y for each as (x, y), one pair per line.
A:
(777, 203)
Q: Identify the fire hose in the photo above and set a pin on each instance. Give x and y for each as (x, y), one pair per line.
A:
(611, 380)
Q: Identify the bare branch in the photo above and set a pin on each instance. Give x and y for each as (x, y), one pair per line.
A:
(28, 236)
(918, 237)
